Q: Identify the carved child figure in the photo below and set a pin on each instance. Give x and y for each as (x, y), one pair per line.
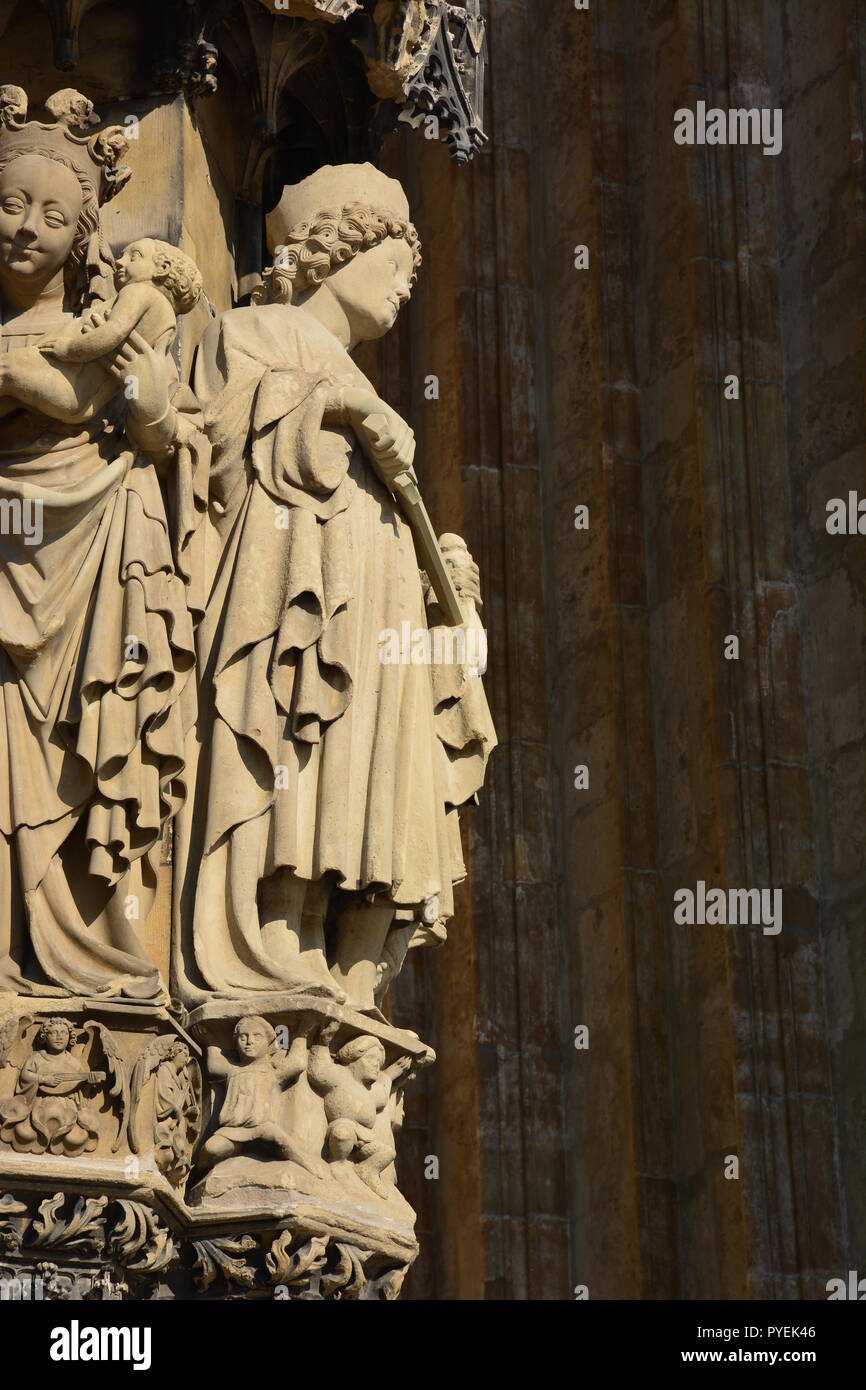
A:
(155, 282)
(252, 1091)
(357, 1090)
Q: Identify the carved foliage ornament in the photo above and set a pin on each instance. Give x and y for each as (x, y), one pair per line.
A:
(448, 82)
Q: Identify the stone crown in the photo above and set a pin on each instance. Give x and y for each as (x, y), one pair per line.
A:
(68, 137)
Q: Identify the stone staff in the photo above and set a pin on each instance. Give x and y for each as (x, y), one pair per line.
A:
(405, 489)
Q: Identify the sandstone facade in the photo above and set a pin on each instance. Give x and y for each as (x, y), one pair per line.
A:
(562, 381)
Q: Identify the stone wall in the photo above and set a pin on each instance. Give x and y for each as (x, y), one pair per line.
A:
(605, 387)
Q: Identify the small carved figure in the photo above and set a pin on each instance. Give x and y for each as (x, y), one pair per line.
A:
(357, 1090)
(175, 1107)
(155, 284)
(52, 1108)
(253, 1085)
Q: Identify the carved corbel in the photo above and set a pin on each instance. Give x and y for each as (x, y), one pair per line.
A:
(431, 58)
(65, 17)
(449, 83)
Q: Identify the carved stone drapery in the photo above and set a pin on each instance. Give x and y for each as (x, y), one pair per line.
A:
(222, 1111)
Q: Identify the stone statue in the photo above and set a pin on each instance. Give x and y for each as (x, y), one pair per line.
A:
(228, 628)
(96, 635)
(328, 780)
(357, 1090)
(52, 1109)
(247, 1119)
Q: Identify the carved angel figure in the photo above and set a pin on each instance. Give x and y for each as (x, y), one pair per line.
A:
(357, 1089)
(175, 1105)
(53, 1106)
(253, 1084)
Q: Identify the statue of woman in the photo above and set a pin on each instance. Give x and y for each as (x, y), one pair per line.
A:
(324, 817)
(96, 640)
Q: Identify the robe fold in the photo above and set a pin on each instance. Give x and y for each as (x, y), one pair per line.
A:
(97, 693)
(314, 755)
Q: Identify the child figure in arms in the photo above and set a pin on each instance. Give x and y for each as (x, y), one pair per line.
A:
(155, 282)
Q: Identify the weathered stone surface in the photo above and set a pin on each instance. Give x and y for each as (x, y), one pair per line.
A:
(557, 388)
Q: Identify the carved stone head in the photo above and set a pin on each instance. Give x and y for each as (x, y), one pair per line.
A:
(254, 1038)
(55, 1035)
(347, 225)
(365, 1057)
(53, 178)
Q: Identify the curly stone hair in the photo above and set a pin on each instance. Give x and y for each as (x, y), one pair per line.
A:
(53, 1022)
(333, 237)
(178, 276)
(356, 1048)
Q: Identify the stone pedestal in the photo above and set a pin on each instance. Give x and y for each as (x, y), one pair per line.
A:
(99, 1196)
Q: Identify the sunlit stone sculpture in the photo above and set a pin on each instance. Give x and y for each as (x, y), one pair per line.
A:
(213, 621)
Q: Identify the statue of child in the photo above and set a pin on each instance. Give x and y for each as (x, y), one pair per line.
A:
(253, 1084)
(156, 283)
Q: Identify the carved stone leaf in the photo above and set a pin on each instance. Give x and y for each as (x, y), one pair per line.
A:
(139, 1232)
(347, 1279)
(224, 1255)
(84, 1228)
(286, 1268)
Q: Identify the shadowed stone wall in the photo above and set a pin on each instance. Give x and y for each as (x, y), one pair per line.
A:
(606, 387)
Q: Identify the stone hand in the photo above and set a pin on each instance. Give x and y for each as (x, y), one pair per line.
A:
(95, 318)
(385, 437)
(464, 571)
(389, 443)
(138, 360)
(92, 319)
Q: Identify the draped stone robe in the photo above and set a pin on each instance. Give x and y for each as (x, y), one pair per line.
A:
(92, 727)
(314, 756)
